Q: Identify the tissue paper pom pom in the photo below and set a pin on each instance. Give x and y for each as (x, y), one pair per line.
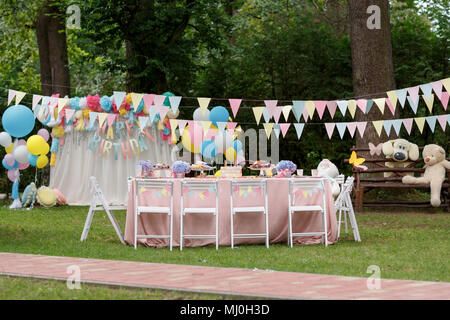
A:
(58, 131)
(75, 103)
(105, 103)
(122, 111)
(93, 102)
(114, 106)
(83, 103)
(86, 113)
(128, 99)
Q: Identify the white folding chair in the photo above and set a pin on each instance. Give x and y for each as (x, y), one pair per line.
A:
(199, 185)
(307, 184)
(344, 204)
(155, 184)
(340, 180)
(260, 183)
(98, 197)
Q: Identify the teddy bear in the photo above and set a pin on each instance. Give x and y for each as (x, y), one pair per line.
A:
(400, 151)
(328, 169)
(435, 166)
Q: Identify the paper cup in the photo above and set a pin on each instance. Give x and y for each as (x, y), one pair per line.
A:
(300, 172)
(314, 172)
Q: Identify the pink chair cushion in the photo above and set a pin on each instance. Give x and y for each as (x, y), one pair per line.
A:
(61, 199)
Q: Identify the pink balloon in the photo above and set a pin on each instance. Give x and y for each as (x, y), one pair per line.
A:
(44, 134)
(11, 175)
(21, 142)
(23, 166)
(9, 159)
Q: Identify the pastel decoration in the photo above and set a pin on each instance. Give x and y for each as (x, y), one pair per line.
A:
(437, 88)
(391, 107)
(431, 120)
(429, 102)
(199, 115)
(230, 154)
(5, 139)
(297, 108)
(414, 93)
(174, 103)
(69, 115)
(271, 105)
(341, 126)
(426, 89)
(277, 113)
(397, 125)
(32, 159)
(444, 99)
(18, 121)
(362, 105)
(320, 107)
(36, 99)
(420, 122)
(442, 119)
(237, 145)
(15, 190)
(203, 103)
(299, 129)
(148, 100)
(369, 105)
(46, 197)
(381, 102)
(352, 107)
(310, 107)
(401, 95)
(286, 111)
(387, 125)
(208, 148)
(266, 115)
(118, 97)
(10, 148)
(44, 134)
(11, 174)
(218, 114)
(407, 123)
(284, 128)
(19, 96)
(36, 145)
(41, 161)
(361, 126)
(330, 128)
(205, 126)
(332, 106)
(106, 103)
(187, 143)
(235, 104)
(392, 96)
(181, 126)
(378, 126)
(351, 127)
(29, 195)
(342, 105)
(268, 128)
(10, 159)
(221, 126)
(414, 103)
(276, 130)
(446, 84)
(11, 95)
(21, 154)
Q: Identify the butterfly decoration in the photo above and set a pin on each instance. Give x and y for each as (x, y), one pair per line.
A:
(356, 162)
(375, 149)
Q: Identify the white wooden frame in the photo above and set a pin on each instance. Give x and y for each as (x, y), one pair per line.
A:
(343, 204)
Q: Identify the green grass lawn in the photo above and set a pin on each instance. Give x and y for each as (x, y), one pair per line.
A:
(405, 245)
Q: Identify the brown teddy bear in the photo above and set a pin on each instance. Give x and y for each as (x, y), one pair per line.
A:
(400, 151)
(435, 166)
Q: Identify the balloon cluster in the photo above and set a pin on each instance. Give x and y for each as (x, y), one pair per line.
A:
(215, 141)
(38, 148)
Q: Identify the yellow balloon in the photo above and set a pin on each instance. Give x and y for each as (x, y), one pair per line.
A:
(10, 148)
(58, 131)
(36, 145)
(47, 149)
(186, 140)
(230, 154)
(41, 161)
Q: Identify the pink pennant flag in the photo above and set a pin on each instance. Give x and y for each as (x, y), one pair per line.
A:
(182, 125)
(351, 126)
(444, 99)
(159, 100)
(148, 100)
(284, 128)
(442, 119)
(162, 110)
(69, 114)
(361, 127)
(110, 118)
(305, 115)
(231, 125)
(271, 105)
(277, 114)
(332, 105)
(408, 124)
(390, 106)
(362, 105)
(437, 87)
(11, 95)
(235, 104)
(330, 128)
(36, 99)
(320, 107)
(414, 93)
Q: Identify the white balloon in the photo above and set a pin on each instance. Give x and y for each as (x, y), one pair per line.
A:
(199, 116)
(223, 140)
(5, 139)
(21, 154)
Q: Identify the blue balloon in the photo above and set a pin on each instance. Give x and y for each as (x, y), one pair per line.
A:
(208, 148)
(18, 121)
(15, 166)
(218, 114)
(32, 159)
(237, 145)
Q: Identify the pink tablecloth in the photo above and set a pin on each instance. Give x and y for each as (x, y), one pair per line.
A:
(277, 189)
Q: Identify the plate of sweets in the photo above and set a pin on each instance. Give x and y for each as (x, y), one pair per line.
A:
(161, 166)
(260, 165)
(201, 166)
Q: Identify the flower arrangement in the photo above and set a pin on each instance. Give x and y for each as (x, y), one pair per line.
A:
(181, 167)
(286, 168)
(146, 167)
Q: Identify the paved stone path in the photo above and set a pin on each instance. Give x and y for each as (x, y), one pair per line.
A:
(242, 282)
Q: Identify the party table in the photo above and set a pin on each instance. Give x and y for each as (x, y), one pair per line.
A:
(278, 200)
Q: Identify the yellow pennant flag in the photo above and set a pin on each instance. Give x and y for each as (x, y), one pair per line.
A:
(205, 125)
(203, 103)
(378, 126)
(173, 125)
(268, 127)
(429, 102)
(310, 107)
(136, 98)
(101, 118)
(380, 104)
(446, 84)
(258, 111)
(352, 107)
(392, 95)
(420, 123)
(19, 96)
(62, 102)
(286, 111)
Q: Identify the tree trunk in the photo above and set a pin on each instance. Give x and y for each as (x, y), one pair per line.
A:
(373, 69)
(44, 54)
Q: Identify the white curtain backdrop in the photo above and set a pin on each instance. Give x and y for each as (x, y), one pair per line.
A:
(75, 163)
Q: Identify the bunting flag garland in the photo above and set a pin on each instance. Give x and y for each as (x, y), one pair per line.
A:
(414, 93)
(361, 127)
(426, 89)
(387, 125)
(431, 120)
(332, 105)
(305, 114)
(352, 107)
(320, 107)
(362, 105)
(401, 95)
(143, 122)
(351, 127)
(118, 97)
(276, 130)
(442, 119)
(298, 108)
(181, 126)
(69, 115)
(310, 107)
(330, 128)
(268, 128)
(284, 128)
(429, 102)
(110, 118)
(341, 127)
(286, 111)
(136, 99)
(231, 125)
(446, 84)
(299, 129)
(221, 126)
(205, 126)
(277, 113)
(378, 126)
(36, 99)
(203, 103)
(266, 115)
(11, 95)
(437, 88)
(258, 111)
(174, 103)
(342, 106)
(380, 104)
(420, 122)
(444, 99)
(19, 96)
(270, 106)
(407, 123)
(391, 107)
(148, 101)
(101, 118)
(414, 103)
(369, 105)
(235, 104)
(392, 96)
(397, 125)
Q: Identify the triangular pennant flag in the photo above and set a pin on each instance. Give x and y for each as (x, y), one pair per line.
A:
(235, 104)
(342, 106)
(110, 118)
(45, 101)
(330, 128)
(407, 123)
(36, 99)
(152, 112)
(380, 104)
(221, 126)
(231, 125)
(392, 96)
(118, 97)
(284, 128)
(286, 111)
(310, 107)
(351, 126)
(69, 114)
(258, 111)
(352, 108)
(429, 102)
(341, 126)
(277, 114)
(271, 105)
(420, 121)
(413, 103)
(53, 102)
(378, 126)
(437, 88)
(444, 99)
(401, 95)
(414, 92)
(136, 99)
(362, 105)
(276, 130)
(268, 128)
(92, 118)
(446, 84)
(320, 107)
(387, 124)
(426, 89)
(266, 115)
(11, 95)
(299, 129)
(143, 122)
(162, 110)
(361, 127)
(101, 118)
(442, 119)
(298, 108)
(181, 126)
(205, 126)
(431, 120)
(397, 124)
(159, 101)
(62, 102)
(391, 107)
(332, 105)
(148, 101)
(369, 105)
(174, 103)
(19, 96)
(448, 119)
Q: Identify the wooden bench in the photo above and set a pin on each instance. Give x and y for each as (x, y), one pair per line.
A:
(368, 180)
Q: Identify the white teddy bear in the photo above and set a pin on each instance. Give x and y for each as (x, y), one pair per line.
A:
(328, 169)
